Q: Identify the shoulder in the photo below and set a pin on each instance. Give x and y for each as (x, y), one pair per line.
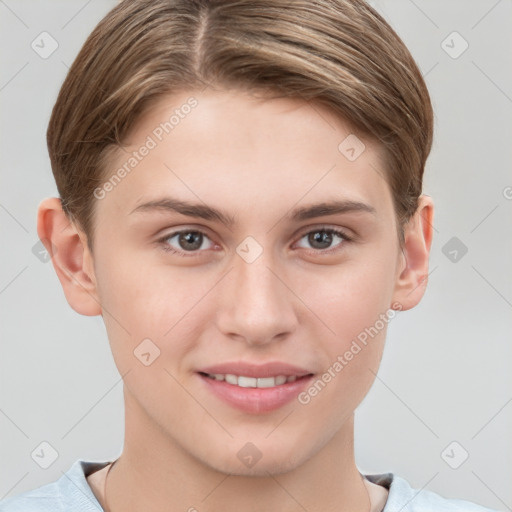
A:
(70, 492)
(402, 497)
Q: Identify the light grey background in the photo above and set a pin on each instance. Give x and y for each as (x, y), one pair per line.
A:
(445, 374)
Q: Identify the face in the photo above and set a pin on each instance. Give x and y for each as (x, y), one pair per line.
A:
(245, 241)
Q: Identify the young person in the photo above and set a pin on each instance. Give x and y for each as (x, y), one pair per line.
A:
(240, 199)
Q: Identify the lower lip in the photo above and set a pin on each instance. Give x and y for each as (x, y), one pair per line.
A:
(256, 400)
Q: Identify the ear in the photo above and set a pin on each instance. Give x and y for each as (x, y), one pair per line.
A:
(412, 272)
(72, 260)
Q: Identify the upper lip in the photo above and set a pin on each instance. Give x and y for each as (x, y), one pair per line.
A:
(270, 369)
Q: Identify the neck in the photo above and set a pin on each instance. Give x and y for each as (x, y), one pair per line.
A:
(154, 473)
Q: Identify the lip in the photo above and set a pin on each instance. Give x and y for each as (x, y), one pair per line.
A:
(256, 400)
(270, 369)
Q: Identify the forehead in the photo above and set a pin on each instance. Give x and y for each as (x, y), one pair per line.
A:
(249, 151)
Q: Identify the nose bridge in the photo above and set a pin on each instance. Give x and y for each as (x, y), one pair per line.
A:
(257, 305)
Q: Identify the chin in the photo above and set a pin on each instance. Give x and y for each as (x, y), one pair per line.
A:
(270, 462)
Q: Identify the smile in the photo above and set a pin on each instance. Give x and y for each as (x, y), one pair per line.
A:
(252, 394)
(252, 382)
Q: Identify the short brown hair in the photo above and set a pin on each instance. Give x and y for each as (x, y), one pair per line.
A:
(339, 53)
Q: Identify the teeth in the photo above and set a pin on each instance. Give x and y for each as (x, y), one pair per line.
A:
(231, 379)
(253, 382)
(247, 382)
(269, 382)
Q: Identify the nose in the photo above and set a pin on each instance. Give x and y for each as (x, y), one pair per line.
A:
(255, 304)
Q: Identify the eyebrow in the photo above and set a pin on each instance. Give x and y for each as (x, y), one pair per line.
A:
(206, 212)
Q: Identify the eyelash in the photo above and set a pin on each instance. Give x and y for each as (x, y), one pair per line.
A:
(166, 247)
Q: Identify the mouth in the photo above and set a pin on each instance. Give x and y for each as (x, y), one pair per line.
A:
(244, 381)
(255, 389)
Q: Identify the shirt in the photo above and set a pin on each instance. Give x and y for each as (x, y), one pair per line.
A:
(72, 493)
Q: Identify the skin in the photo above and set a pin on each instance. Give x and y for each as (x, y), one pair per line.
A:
(257, 160)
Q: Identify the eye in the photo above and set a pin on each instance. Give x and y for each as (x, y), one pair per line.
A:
(190, 241)
(323, 238)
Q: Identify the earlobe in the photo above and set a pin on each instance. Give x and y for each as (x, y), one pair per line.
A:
(70, 256)
(412, 274)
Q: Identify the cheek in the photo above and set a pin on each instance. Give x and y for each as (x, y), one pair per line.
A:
(350, 298)
(150, 302)
(352, 303)
(356, 308)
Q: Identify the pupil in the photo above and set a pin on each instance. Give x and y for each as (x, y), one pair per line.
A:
(192, 238)
(320, 237)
